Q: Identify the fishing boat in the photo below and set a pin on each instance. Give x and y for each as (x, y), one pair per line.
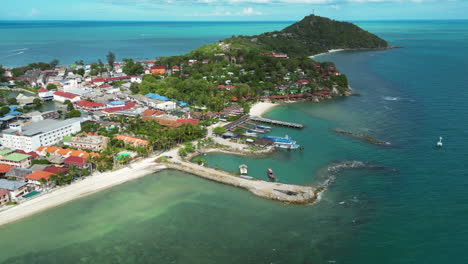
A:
(271, 174)
(285, 142)
(243, 169)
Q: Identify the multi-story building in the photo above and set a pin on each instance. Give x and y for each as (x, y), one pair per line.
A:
(17, 160)
(16, 189)
(43, 133)
(91, 142)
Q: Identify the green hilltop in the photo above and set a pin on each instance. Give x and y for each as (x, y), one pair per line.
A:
(310, 36)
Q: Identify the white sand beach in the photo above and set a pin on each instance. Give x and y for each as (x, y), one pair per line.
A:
(81, 188)
(261, 108)
(330, 51)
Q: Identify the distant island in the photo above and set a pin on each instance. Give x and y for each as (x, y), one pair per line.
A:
(161, 113)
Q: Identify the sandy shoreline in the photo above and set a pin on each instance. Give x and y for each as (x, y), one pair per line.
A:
(260, 108)
(328, 52)
(98, 182)
(79, 189)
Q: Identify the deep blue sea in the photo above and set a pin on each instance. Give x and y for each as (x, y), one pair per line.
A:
(410, 207)
(23, 42)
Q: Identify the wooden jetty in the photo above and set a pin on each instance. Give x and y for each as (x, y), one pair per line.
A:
(276, 122)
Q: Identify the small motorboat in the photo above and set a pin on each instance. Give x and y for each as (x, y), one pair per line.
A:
(439, 144)
(271, 174)
(243, 169)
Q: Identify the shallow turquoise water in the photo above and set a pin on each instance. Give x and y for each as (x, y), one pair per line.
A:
(413, 209)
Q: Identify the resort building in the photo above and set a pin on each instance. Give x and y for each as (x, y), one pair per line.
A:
(18, 174)
(35, 177)
(55, 152)
(89, 141)
(17, 160)
(77, 161)
(42, 133)
(16, 188)
(133, 141)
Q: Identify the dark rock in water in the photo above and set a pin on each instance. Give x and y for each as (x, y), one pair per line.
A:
(363, 137)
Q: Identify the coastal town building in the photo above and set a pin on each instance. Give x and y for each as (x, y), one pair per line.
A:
(77, 161)
(133, 141)
(89, 106)
(60, 96)
(42, 133)
(4, 169)
(17, 160)
(4, 196)
(16, 189)
(36, 176)
(18, 174)
(55, 152)
(159, 70)
(89, 141)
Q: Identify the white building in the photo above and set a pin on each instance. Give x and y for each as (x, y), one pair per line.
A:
(167, 106)
(43, 133)
(60, 96)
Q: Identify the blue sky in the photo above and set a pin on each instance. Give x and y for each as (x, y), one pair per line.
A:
(231, 10)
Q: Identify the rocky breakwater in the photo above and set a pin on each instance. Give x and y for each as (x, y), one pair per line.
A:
(287, 193)
(363, 137)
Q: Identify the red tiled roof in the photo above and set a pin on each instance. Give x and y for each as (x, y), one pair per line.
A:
(175, 67)
(72, 160)
(65, 94)
(54, 170)
(111, 79)
(42, 90)
(88, 104)
(132, 140)
(5, 168)
(151, 112)
(37, 175)
(105, 86)
(120, 108)
(184, 121)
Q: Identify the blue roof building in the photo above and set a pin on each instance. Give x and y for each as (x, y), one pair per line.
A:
(182, 103)
(157, 97)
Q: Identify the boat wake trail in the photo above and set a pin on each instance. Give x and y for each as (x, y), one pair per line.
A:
(15, 54)
(389, 98)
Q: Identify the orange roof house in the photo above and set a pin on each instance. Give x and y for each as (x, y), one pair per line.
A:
(158, 70)
(5, 168)
(137, 142)
(37, 175)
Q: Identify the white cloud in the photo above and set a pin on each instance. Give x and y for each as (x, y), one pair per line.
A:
(249, 11)
(33, 12)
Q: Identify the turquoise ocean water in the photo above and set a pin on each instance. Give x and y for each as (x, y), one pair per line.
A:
(411, 207)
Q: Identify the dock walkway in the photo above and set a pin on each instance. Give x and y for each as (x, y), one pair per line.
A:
(276, 122)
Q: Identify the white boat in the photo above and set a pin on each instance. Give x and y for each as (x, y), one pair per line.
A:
(283, 142)
(439, 144)
(243, 169)
(250, 134)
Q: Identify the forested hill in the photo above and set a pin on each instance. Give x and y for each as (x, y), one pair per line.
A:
(312, 35)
